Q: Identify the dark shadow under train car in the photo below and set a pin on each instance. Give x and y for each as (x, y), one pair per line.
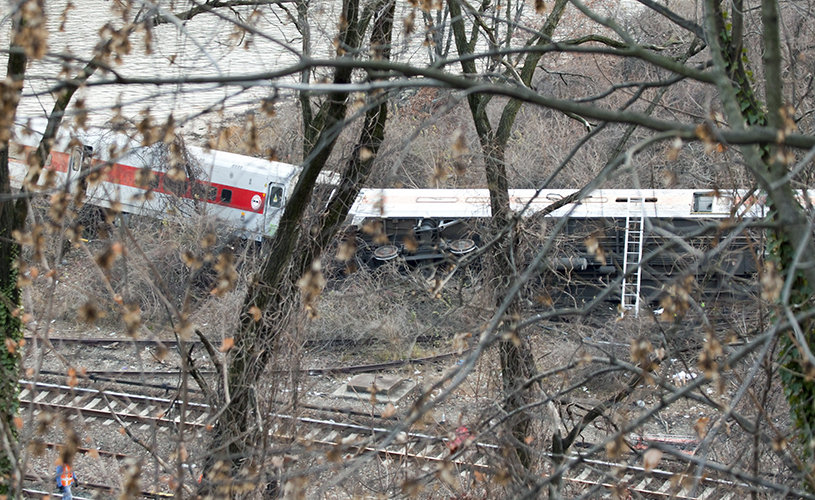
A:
(587, 255)
(700, 256)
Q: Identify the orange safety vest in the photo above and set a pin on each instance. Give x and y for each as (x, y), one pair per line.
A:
(67, 476)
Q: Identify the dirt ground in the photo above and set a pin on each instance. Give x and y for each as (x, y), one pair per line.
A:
(362, 321)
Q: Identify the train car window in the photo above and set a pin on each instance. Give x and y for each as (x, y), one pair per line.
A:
(703, 202)
(76, 159)
(87, 154)
(275, 196)
(226, 195)
(199, 191)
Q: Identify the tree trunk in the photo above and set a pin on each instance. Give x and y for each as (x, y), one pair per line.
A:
(275, 285)
(10, 307)
(769, 166)
(517, 361)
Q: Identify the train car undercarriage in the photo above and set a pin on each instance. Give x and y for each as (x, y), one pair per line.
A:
(588, 255)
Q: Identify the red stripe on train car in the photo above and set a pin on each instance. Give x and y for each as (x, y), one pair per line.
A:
(125, 175)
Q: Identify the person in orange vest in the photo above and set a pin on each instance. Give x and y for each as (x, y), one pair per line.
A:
(65, 480)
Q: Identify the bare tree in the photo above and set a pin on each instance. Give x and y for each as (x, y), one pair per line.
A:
(276, 283)
(25, 42)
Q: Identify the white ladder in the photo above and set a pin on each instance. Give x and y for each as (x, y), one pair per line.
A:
(632, 256)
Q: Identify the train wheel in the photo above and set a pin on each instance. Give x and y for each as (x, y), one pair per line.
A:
(386, 253)
(461, 247)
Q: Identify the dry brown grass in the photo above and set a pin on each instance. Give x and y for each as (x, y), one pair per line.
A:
(385, 310)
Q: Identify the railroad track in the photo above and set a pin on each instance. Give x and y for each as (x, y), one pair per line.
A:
(596, 474)
(102, 488)
(114, 343)
(346, 440)
(94, 404)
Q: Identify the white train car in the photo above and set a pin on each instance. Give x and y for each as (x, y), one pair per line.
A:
(248, 193)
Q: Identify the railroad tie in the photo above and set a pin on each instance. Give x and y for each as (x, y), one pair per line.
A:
(427, 449)
(609, 484)
(330, 437)
(707, 493)
(311, 434)
(90, 406)
(202, 419)
(145, 413)
(645, 482)
(403, 449)
(93, 404)
(57, 399)
(42, 395)
(112, 404)
(482, 460)
(583, 475)
(76, 408)
(665, 487)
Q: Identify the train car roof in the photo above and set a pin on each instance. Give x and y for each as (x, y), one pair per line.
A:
(247, 165)
(103, 141)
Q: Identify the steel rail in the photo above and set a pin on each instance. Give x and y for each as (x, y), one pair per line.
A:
(128, 417)
(98, 392)
(96, 377)
(96, 487)
(91, 451)
(311, 371)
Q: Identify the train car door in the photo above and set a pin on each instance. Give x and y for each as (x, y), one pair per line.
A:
(275, 201)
